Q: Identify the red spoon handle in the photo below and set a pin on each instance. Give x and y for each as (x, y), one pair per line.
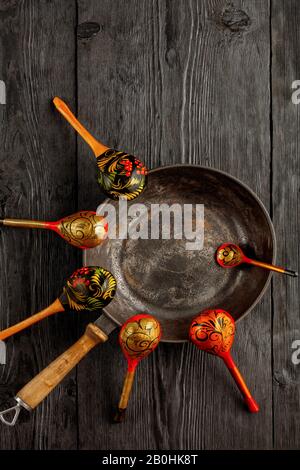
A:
(234, 371)
(271, 267)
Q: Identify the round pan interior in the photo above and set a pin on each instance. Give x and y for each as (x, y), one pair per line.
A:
(163, 278)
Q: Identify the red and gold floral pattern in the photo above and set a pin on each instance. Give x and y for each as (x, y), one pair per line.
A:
(229, 255)
(139, 336)
(213, 331)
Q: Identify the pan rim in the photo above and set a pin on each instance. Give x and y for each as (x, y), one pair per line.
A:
(265, 212)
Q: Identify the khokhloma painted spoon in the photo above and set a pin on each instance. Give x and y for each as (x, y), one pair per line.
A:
(230, 255)
(88, 288)
(138, 338)
(120, 175)
(85, 229)
(213, 331)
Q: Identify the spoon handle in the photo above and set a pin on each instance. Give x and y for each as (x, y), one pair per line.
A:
(234, 371)
(123, 403)
(97, 147)
(55, 307)
(23, 223)
(271, 267)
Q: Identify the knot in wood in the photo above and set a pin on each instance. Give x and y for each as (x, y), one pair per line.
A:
(234, 20)
(87, 30)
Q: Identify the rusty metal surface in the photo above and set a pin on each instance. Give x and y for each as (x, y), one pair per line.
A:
(162, 278)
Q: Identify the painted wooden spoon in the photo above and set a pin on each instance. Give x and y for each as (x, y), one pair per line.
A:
(89, 288)
(230, 255)
(213, 331)
(120, 175)
(138, 338)
(85, 229)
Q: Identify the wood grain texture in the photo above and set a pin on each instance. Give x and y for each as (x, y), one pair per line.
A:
(37, 180)
(286, 184)
(178, 82)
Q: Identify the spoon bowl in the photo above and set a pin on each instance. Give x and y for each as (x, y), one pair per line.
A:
(229, 255)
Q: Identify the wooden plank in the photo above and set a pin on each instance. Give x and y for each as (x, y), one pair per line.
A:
(178, 82)
(286, 215)
(38, 180)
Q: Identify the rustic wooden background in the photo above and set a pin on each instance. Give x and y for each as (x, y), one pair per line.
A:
(199, 81)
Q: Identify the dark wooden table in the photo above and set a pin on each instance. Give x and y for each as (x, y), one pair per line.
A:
(171, 81)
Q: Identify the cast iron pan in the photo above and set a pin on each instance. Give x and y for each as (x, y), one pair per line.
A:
(162, 278)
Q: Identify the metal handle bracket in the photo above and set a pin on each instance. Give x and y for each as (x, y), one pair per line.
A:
(14, 409)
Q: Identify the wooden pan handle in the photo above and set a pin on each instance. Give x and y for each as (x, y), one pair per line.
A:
(39, 388)
(97, 147)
